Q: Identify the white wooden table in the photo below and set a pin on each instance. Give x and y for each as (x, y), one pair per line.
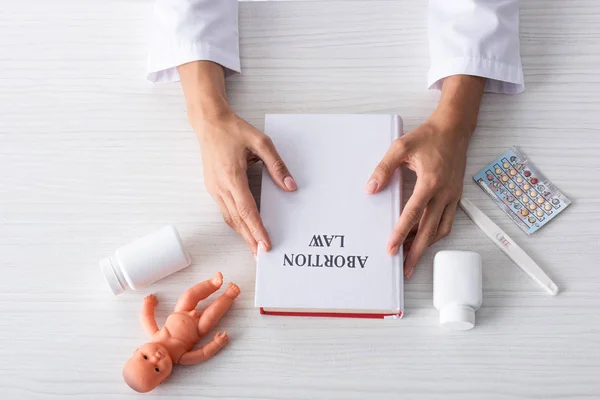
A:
(92, 156)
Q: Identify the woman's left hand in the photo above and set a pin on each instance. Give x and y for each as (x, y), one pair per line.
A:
(436, 151)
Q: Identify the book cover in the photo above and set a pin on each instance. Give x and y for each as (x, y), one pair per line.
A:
(329, 237)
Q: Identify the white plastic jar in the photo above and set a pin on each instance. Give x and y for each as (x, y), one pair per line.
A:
(457, 288)
(145, 260)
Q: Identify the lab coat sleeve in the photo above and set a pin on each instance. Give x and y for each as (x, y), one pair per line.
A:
(190, 30)
(476, 37)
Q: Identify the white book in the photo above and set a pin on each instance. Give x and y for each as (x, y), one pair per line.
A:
(329, 238)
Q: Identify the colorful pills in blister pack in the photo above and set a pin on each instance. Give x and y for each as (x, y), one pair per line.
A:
(521, 191)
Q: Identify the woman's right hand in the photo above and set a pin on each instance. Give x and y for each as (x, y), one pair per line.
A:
(229, 146)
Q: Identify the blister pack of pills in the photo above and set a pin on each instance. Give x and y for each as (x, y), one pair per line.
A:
(521, 190)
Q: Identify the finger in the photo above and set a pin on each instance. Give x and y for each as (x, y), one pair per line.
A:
(406, 247)
(409, 241)
(410, 216)
(446, 222)
(238, 223)
(393, 158)
(247, 210)
(428, 228)
(265, 149)
(225, 212)
(412, 233)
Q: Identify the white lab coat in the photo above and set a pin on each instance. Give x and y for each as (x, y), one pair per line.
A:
(473, 37)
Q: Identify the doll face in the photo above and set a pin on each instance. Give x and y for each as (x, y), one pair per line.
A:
(148, 367)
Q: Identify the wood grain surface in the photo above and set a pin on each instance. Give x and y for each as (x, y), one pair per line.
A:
(93, 156)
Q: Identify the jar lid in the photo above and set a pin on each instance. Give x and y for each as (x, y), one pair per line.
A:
(457, 317)
(110, 275)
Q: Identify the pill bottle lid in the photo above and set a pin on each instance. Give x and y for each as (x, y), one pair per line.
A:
(108, 270)
(457, 317)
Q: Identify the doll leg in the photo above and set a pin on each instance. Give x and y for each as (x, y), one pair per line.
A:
(190, 298)
(213, 313)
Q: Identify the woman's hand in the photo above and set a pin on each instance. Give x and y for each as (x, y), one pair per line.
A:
(436, 151)
(229, 145)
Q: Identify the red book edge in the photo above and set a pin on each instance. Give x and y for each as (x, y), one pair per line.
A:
(328, 314)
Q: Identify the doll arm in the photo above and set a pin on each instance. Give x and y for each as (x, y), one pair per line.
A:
(204, 353)
(148, 321)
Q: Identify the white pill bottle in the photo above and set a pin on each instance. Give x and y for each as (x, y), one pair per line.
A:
(145, 260)
(457, 288)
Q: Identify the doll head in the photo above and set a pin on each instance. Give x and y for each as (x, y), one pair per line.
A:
(149, 366)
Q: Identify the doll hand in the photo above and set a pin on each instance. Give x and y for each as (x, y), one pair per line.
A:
(151, 299)
(221, 338)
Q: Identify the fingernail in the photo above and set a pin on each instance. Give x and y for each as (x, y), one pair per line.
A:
(394, 250)
(262, 246)
(289, 183)
(371, 186)
(409, 273)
